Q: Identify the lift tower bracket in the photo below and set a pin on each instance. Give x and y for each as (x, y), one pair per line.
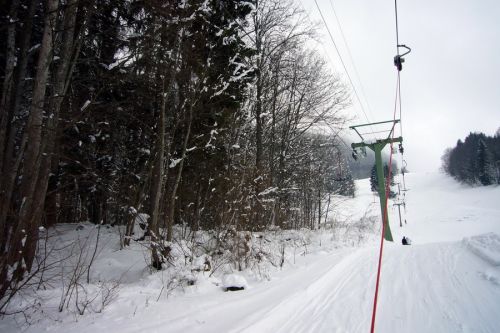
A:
(377, 145)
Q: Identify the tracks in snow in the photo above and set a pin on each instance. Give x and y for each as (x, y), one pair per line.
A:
(424, 288)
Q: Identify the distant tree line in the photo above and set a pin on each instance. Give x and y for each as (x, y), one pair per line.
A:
(202, 113)
(475, 161)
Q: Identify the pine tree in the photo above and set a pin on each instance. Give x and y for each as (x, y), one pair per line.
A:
(485, 166)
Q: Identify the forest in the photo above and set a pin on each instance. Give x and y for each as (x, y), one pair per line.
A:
(474, 161)
(208, 115)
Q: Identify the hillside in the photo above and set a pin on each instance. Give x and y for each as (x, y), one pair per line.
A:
(447, 281)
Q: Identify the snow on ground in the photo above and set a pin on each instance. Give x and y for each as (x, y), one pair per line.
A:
(439, 209)
(447, 281)
(486, 246)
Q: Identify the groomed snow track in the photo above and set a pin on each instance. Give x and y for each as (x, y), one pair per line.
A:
(424, 288)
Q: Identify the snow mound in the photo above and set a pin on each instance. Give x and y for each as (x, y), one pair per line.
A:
(234, 281)
(491, 276)
(486, 246)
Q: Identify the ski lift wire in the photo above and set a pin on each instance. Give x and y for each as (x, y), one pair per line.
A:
(399, 87)
(397, 99)
(356, 73)
(342, 61)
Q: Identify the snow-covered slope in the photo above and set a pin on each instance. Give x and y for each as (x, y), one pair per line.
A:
(447, 281)
(439, 284)
(440, 209)
(424, 288)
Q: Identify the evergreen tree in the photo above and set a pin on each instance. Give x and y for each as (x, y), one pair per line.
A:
(474, 160)
(485, 166)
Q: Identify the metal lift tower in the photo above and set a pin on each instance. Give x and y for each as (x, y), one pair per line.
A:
(377, 145)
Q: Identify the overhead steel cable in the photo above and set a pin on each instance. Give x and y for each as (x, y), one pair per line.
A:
(397, 25)
(335, 132)
(397, 52)
(399, 86)
(342, 61)
(398, 62)
(384, 221)
(356, 73)
(401, 129)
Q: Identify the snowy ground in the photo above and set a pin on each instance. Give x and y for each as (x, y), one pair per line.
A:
(447, 281)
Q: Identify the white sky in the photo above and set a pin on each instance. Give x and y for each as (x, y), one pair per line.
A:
(450, 83)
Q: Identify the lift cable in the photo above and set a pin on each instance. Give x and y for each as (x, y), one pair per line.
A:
(398, 60)
(341, 61)
(399, 88)
(335, 132)
(384, 221)
(356, 73)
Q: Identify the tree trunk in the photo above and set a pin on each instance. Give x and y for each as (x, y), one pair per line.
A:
(319, 208)
(158, 170)
(171, 206)
(50, 160)
(258, 98)
(31, 202)
(10, 62)
(8, 129)
(157, 184)
(25, 233)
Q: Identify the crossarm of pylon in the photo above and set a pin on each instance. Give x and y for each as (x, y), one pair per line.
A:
(355, 127)
(385, 141)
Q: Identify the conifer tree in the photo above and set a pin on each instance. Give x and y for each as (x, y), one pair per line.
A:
(476, 160)
(485, 166)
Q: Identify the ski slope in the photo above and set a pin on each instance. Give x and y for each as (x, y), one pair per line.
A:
(447, 281)
(426, 288)
(439, 284)
(436, 285)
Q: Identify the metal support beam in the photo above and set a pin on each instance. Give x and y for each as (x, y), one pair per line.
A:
(377, 148)
(399, 210)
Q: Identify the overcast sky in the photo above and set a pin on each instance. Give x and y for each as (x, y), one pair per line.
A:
(450, 83)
